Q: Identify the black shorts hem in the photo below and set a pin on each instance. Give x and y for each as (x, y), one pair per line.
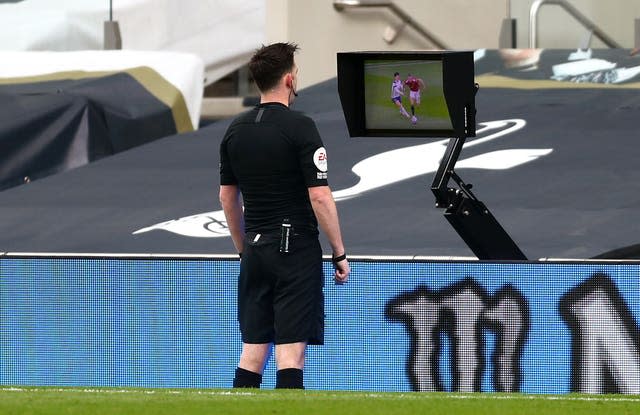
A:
(312, 341)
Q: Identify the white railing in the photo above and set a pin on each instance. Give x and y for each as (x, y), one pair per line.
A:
(341, 5)
(575, 13)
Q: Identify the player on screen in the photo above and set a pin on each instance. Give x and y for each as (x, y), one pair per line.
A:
(416, 85)
(397, 92)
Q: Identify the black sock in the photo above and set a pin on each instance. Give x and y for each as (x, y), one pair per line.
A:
(413, 110)
(289, 379)
(246, 379)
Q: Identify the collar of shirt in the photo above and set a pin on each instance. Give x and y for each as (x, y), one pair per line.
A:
(271, 104)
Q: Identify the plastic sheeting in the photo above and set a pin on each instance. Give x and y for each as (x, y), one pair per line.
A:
(183, 70)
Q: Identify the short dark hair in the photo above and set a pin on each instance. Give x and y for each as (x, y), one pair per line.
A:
(270, 63)
(396, 73)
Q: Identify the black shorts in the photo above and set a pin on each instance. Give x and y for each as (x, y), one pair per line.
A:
(280, 298)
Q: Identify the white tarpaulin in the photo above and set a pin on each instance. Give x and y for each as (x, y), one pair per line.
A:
(183, 70)
(223, 33)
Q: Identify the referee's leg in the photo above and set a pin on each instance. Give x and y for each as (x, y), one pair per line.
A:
(290, 362)
(252, 362)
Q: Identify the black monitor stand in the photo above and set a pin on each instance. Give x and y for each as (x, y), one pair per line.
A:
(469, 216)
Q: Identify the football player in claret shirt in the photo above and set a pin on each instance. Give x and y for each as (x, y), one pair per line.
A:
(416, 85)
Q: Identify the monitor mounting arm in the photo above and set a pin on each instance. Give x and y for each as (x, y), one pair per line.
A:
(469, 216)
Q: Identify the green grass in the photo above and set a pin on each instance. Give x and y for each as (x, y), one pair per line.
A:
(41, 401)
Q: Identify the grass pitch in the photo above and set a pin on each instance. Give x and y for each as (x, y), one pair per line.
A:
(103, 401)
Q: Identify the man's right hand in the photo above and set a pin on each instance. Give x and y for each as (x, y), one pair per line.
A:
(342, 271)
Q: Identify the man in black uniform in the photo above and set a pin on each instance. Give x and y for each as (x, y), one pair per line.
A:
(272, 161)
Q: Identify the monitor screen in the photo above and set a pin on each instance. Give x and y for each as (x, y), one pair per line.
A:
(408, 94)
(404, 95)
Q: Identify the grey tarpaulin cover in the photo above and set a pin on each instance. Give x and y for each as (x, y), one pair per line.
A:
(55, 122)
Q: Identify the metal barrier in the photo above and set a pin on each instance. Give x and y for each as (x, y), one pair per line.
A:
(341, 5)
(575, 13)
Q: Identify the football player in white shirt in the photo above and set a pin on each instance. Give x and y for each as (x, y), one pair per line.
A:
(397, 92)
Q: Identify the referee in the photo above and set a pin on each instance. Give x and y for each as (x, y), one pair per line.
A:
(273, 162)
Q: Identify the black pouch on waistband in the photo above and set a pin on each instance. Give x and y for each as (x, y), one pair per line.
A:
(286, 232)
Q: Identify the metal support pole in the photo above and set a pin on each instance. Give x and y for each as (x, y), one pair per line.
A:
(112, 37)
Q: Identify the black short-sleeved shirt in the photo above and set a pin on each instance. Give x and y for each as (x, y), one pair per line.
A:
(274, 155)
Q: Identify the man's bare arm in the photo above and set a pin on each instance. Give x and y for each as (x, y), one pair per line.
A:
(326, 213)
(232, 206)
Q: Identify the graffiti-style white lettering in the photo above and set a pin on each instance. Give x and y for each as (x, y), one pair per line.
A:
(605, 340)
(462, 311)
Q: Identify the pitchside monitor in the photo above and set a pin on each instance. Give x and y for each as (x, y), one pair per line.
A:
(408, 94)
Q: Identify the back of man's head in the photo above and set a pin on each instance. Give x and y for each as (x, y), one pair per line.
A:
(270, 63)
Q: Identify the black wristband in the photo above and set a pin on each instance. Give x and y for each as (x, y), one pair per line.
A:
(240, 254)
(338, 258)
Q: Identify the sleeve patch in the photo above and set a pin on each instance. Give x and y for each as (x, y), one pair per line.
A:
(320, 159)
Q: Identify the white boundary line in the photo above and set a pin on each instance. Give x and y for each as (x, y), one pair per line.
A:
(115, 255)
(111, 255)
(219, 256)
(398, 62)
(346, 394)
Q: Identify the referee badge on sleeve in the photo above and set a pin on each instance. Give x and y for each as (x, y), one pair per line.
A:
(320, 160)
